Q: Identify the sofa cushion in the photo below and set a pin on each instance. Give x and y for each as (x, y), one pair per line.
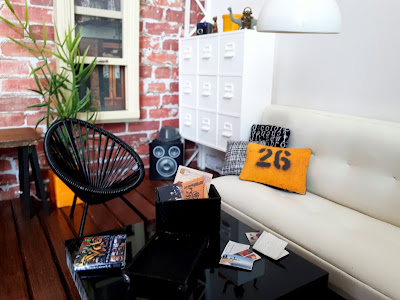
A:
(282, 168)
(365, 248)
(274, 136)
(235, 157)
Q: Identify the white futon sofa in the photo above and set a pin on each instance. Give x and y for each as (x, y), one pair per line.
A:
(348, 221)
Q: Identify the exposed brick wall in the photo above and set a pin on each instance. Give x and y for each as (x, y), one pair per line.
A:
(161, 25)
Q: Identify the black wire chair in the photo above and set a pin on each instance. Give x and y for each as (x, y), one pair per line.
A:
(96, 165)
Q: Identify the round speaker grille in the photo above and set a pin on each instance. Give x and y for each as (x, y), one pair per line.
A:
(158, 152)
(174, 151)
(166, 166)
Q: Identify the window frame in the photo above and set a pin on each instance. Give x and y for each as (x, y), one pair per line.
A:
(64, 13)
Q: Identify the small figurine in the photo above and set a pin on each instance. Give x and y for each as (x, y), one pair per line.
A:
(246, 21)
(215, 27)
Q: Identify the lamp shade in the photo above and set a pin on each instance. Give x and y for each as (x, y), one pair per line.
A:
(306, 16)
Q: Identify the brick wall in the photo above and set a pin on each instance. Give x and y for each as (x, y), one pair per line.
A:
(161, 25)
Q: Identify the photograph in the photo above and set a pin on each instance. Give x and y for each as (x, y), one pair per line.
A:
(253, 236)
(237, 261)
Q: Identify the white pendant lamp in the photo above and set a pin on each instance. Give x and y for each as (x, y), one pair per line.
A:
(305, 16)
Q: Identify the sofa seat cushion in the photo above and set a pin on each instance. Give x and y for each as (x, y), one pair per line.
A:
(363, 247)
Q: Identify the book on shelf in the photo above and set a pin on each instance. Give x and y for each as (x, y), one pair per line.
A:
(101, 252)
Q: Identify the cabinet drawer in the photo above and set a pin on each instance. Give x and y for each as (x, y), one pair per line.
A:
(230, 56)
(208, 92)
(228, 129)
(188, 56)
(208, 55)
(230, 95)
(207, 128)
(188, 90)
(188, 123)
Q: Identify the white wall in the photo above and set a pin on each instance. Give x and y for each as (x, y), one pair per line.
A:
(356, 72)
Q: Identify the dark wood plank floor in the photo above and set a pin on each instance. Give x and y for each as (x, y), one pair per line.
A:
(32, 258)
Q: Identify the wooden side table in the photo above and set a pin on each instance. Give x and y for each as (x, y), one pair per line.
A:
(26, 140)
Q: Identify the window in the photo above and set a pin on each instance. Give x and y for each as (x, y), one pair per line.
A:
(111, 29)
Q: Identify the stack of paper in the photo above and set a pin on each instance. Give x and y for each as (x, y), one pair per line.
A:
(271, 246)
(238, 255)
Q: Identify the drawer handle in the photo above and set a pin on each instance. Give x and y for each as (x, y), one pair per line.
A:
(187, 87)
(188, 120)
(206, 89)
(205, 124)
(207, 52)
(187, 53)
(229, 50)
(227, 134)
(228, 91)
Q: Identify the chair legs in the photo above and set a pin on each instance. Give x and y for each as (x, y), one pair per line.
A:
(71, 214)
(83, 219)
(133, 208)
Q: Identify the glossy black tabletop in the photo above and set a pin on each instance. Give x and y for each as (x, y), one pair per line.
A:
(290, 277)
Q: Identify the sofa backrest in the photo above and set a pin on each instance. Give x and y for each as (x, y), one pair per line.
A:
(355, 161)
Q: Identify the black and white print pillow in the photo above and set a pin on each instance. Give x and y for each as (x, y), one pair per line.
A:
(235, 157)
(273, 136)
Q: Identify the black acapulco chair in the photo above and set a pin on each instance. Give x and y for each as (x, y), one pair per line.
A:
(95, 164)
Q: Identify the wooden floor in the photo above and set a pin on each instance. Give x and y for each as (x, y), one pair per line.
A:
(32, 255)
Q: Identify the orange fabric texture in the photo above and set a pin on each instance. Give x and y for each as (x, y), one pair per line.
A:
(283, 168)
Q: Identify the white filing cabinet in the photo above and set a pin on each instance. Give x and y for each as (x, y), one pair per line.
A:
(225, 83)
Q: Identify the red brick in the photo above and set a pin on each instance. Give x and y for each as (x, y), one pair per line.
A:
(143, 126)
(175, 16)
(132, 139)
(143, 114)
(162, 28)
(196, 17)
(172, 44)
(162, 58)
(141, 87)
(169, 3)
(10, 67)
(12, 193)
(149, 100)
(8, 152)
(36, 14)
(175, 73)
(172, 122)
(149, 42)
(153, 135)
(14, 50)
(7, 31)
(157, 87)
(189, 145)
(157, 113)
(145, 71)
(151, 12)
(142, 149)
(37, 31)
(17, 104)
(8, 179)
(5, 165)
(18, 85)
(115, 127)
(52, 66)
(170, 99)
(12, 119)
(174, 87)
(42, 2)
(163, 72)
(31, 120)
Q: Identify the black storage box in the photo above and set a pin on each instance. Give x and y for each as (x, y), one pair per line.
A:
(193, 216)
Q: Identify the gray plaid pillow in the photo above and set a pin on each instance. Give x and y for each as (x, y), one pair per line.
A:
(235, 157)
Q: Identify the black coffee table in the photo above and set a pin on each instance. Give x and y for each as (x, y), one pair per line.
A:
(291, 277)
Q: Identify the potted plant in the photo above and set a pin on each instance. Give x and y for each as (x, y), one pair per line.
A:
(59, 89)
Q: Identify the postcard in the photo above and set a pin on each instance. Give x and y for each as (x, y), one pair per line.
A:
(253, 236)
(270, 245)
(249, 254)
(185, 174)
(237, 261)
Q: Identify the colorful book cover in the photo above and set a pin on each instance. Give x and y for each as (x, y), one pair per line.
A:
(170, 193)
(194, 189)
(101, 252)
(185, 174)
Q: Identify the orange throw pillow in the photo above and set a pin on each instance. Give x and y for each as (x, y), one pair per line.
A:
(283, 168)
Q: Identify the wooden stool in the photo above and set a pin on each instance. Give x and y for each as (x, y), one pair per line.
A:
(26, 140)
